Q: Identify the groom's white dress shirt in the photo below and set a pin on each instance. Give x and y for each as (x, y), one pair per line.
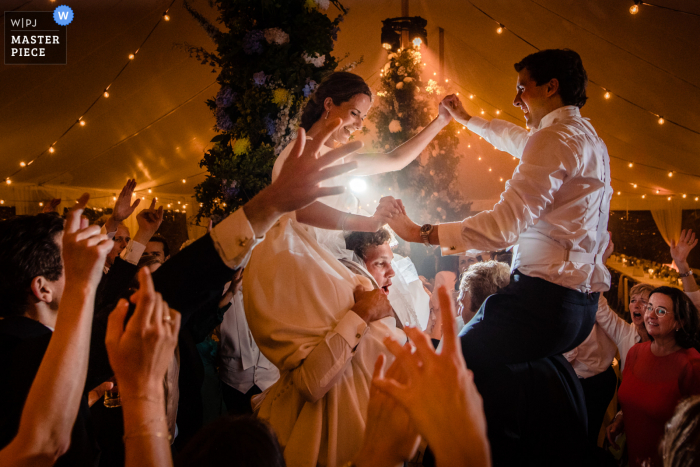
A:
(556, 206)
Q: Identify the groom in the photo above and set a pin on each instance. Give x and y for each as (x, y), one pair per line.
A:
(554, 210)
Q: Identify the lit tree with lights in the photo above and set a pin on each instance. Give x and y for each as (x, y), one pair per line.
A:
(404, 106)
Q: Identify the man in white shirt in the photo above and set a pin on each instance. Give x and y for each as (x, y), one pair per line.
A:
(554, 210)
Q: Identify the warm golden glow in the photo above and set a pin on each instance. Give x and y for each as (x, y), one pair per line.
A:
(417, 41)
(51, 150)
(607, 95)
(634, 9)
(499, 30)
(661, 120)
(22, 164)
(386, 45)
(131, 56)
(166, 17)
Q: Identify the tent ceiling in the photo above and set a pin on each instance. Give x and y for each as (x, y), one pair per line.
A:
(155, 125)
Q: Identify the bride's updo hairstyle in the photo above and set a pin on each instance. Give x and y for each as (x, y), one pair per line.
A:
(340, 86)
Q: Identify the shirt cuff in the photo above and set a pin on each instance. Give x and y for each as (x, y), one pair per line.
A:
(477, 125)
(133, 251)
(110, 235)
(234, 239)
(351, 328)
(450, 234)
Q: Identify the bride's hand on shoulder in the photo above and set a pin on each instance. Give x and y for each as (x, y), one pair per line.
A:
(453, 105)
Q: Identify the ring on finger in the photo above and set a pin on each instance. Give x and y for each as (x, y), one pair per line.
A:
(167, 319)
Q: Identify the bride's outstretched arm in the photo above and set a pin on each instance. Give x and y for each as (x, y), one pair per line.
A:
(371, 164)
(323, 216)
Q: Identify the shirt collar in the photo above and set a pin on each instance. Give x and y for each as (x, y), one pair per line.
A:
(568, 111)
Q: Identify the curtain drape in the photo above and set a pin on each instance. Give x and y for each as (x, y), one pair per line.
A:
(668, 218)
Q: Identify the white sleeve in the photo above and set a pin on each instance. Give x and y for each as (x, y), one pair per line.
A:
(547, 161)
(235, 239)
(110, 235)
(133, 251)
(503, 135)
(321, 368)
(615, 327)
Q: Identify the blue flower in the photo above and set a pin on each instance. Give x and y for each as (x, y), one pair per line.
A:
(270, 124)
(259, 78)
(309, 88)
(230, 189)
(252, 42)
(223, 121)
(225, 97)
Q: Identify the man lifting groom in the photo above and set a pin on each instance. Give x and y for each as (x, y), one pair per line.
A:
(554, 211)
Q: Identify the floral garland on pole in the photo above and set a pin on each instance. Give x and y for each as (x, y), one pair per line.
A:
(404, 106)
(271, 57)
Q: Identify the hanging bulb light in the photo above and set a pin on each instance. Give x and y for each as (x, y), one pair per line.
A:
(630, 165)
(657, 192)
(8, 181)
(500, 29)
(607, 95)
(471, 96)
(106, 94)
(166, 17)
(41, 204)
(184, 181)
(684, 196)
(149, 190)
(498, 112)
(661, 120)
(696, 198)
(114, 198)
(670, 174)
(51, 150)
(669, 198)
(644, 196)
(619, 193)
(82, 122)
(131, 56)
(634, 185)
(634, 9)
(22, 164)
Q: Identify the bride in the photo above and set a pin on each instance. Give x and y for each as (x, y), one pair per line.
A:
(319, 323)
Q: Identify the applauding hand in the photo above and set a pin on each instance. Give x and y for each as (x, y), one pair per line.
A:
(681, 249)
(122, 206)
(149, 221)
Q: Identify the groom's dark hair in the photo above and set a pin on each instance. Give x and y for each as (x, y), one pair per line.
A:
(563, 64)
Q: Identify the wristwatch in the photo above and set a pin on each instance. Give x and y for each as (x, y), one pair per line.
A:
(425, 233)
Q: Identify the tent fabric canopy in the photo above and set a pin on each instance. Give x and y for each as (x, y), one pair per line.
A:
(155, 127)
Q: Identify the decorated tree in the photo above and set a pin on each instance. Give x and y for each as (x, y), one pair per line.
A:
(271, 57)
(404, 106)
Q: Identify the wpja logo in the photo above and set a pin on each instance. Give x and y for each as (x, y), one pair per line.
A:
(37, 37)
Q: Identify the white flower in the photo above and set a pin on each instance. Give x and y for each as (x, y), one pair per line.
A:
(276, 35)
(322, 4)
(395, 126)
(402, 71)
(391, 56)
(399, 85)
(407, 79)
(317, 60)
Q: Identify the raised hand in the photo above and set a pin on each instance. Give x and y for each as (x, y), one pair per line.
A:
(298, 183)
(454, 106)
(454, 406)
(51, 205)
(149, 221)
(388, 208)
(140, 353)
(390, 436)
(681, 249)
(403, 226)
(84, 248)
(122, 206)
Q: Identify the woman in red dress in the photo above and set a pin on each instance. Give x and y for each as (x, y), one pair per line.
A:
(658, 374)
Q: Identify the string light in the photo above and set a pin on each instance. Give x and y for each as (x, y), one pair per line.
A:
(619, 193)
(607, 95)
(669, 198)
(446, 80)
(489, 169)
(684, 196)
(696, 198)
(670, 174)
(8, 181)
(471, 96)
(498, 112)
(82, 122)
(106, 94)
(501, 179)
(41, 204)
(482, 112)
(2, 201)
(114, 198)
(500, 29)
(131, 56)
(479, 157)
(630, 165)
(634, 9)
(22, 164)
(634, 185)
(149, 190)
(644, 196)
(657, 192)
(51, 150)
(434, 73)
(184, 181)
(166, 17)
(661, 120)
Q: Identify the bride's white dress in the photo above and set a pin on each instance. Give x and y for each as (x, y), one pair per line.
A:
(297, 296)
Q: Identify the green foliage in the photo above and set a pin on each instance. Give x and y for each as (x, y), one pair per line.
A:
(271, 54)
(404, 106)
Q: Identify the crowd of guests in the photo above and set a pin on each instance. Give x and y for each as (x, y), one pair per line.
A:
(332, 350)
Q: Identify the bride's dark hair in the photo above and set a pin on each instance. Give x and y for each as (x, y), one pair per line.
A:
(340, 86)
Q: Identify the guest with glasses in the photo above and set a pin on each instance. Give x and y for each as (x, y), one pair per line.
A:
(658, 374)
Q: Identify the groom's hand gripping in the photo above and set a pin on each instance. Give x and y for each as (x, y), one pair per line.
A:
(454, 106)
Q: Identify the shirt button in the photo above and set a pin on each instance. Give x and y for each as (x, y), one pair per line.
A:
(452, 248)
(358, 335)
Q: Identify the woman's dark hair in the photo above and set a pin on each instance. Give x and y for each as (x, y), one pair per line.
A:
(340, 86)
(235, 441)
(28, 249)
(563, 64)
(679, 447)
(685, 313)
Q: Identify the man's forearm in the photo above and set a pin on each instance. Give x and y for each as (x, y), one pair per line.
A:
(261, 212)
(111, 225)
